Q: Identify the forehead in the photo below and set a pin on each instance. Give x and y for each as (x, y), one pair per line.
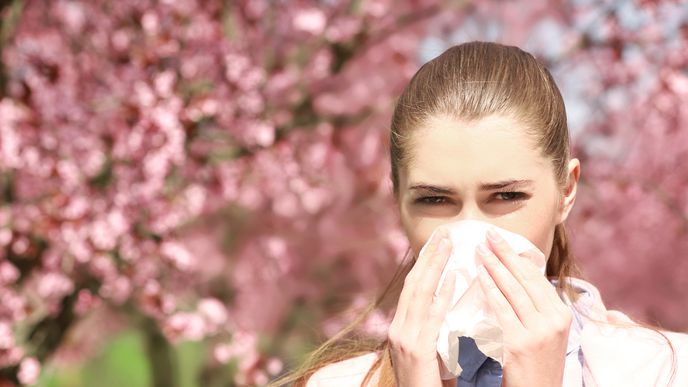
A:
(493, 148)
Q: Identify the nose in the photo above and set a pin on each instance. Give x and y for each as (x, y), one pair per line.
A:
(470, 211)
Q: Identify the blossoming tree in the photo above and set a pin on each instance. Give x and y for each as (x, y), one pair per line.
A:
(217, 171)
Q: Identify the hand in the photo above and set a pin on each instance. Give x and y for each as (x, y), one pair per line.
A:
(534, 319)
(414, 330)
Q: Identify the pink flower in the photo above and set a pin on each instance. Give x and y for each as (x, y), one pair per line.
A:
(222, 353)
(86, 301)
(117, 289)
(310, 20)
(274, 366)
(6, 336)
(185, 326)
(177, 254)
(53, 285)
(213, 311)
(8, 273)
(29, 370)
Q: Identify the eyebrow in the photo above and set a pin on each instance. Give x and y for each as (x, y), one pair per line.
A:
(511, 184)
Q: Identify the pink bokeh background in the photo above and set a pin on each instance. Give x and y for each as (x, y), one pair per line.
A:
(220, 169)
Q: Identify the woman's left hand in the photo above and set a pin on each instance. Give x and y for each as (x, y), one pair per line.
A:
(535, 321)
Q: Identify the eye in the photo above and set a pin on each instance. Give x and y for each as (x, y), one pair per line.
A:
(511, 196)
(431, 200)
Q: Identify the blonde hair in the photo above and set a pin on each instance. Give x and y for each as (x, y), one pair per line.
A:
(468, 81)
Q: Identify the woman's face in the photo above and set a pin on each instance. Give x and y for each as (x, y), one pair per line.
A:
(489, 170)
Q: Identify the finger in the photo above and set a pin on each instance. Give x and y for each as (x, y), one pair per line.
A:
(439, 308)
(416, 272)
(427, 251)
(427, 284)
(434, 267)
(506, 316)
(509, 286)
(535, 256)
(536, 285)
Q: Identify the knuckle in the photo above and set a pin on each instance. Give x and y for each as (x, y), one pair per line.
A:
(563, 323)
(406, 347)
(524, 345)
(437, 310)
(491, 263)
(530, 272)
(492, 289)
(533, 254)
(502, 246)
(566, 316)
(402, 343)
(489, 287)
(514, 290)
(520, 299)
(537, 341)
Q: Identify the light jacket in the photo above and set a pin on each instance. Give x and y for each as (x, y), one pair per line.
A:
(616, 354)
(605, 348)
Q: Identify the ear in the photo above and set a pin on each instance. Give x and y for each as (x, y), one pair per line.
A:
(570, 189)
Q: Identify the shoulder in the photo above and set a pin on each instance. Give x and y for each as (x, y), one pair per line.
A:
(349, 372)
(620, 351)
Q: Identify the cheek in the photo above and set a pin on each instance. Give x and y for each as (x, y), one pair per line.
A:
(537, 229)
(542, 238)
(418, 232)
(418, 241)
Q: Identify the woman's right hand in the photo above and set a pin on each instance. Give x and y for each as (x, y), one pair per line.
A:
(414, 330)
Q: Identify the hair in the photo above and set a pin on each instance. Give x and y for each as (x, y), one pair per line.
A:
(469, 81)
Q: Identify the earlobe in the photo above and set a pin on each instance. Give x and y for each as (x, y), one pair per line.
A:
(570, 189)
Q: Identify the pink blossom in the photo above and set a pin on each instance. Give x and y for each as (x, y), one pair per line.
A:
(5, 236)
(6, 336)
(213, 311)
(116, 289)
(29, 370)
(86, 301)
(185, 326)
(53, 285)
(159, 153)
(178, 255)
(261, 134)
(8, 273)
(310, 20)
(222, 353)
(274, 366)
(260, 378)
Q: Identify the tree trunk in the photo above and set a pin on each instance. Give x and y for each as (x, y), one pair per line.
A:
(160, 355)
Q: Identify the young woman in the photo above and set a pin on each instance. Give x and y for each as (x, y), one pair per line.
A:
(480, 133)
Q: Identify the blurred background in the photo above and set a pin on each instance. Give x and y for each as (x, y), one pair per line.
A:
(196, 192)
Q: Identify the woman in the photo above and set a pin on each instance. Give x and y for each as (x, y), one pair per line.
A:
(480, 133)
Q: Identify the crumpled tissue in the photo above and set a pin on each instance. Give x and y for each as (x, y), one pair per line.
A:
(469, 314)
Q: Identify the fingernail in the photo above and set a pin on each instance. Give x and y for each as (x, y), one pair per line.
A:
(482, 272)
(437, 236)
(483, 249)
(493, 235)
(444, 243)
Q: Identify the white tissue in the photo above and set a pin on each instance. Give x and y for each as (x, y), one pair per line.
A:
(469, 314)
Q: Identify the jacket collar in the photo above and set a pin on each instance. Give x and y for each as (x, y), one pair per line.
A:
(588, 304)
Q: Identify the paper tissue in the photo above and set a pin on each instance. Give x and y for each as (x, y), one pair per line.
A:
(469, 315)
